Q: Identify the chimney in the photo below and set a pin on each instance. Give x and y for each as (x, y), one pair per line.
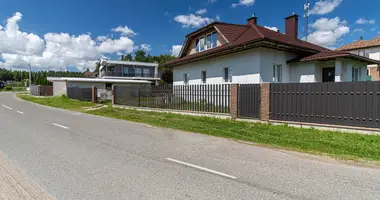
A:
(291, 26)
(252, 20)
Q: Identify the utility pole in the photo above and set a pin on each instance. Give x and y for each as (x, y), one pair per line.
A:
(30, 74)
(306, 15)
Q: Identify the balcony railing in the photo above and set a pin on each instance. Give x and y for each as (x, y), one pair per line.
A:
(143, 75)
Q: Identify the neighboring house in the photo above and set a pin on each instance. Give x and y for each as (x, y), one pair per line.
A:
(369, 49)
(110, 73)
(249, 53)
(90, 74)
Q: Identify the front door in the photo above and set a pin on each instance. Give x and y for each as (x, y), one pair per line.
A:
(328, 74)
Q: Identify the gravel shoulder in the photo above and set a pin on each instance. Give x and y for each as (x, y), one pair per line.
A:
(15, 185)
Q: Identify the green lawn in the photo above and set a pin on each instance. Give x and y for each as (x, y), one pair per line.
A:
(335, 144)
(58, 102)
(13, 89)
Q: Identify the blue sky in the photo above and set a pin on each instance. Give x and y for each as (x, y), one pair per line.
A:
(54, 34)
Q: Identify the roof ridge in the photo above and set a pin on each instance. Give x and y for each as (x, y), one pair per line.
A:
(258, 31)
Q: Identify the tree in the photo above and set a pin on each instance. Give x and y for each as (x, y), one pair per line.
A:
(97, 67)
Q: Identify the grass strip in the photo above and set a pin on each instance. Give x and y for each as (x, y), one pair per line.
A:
(336, 144)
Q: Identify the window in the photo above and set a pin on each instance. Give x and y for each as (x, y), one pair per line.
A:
(277, 73)
(201, 44)
(364, 53)
(206, 42)
(186, 78)
(355, 74)
(127, 71)
(146, 72)
(138, 72)
(204, 77)
(227, 75)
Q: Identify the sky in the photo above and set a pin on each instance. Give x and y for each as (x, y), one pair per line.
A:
(74, 34)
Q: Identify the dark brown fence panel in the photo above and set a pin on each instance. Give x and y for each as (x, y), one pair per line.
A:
(201, 98)
(349, 104)
(82, 94)
(41, 90)
(249, 101)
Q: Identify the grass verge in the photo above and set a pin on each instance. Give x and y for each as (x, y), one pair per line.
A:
(336, 144)
(58, 102)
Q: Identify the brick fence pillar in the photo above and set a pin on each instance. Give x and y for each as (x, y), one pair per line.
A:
(94, 94)
(234, 90)
(113, 94)
(265, 101)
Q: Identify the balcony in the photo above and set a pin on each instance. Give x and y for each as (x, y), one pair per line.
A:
(133, 75)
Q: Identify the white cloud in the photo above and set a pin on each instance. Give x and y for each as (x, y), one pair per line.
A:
(362, 20)
(146, 47)
(57, 51)
(217, 18)
(210, 1)
(327, 32)
(176, 49)
(358, 30)
(124, 31)
(373, 29)
(192, 21)
(111, 46)
(201, 11)
(244, 3)
(272, 28)
(14, 41)
(325, 6)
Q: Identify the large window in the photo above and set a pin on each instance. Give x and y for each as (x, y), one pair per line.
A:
(138, 72)
(206, 42)
(146, 73)
(204, 77)
(355, 74)
(186, 78)
(277, 73)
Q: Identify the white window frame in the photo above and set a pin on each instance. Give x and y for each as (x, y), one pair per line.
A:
(198, 46)
(227, 78)
(203, 76)
(186, 78)
(277, 73)
(356, 74)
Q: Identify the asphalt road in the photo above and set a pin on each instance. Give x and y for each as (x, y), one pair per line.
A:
(78, 156)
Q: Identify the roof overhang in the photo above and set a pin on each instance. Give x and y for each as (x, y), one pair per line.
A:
(228, 49)
(348, 56)
(95, 80)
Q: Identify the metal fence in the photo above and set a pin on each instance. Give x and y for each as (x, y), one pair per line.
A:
(202, 98)
(249, 101)
(82, 94)
(350, 104)
(41, 90)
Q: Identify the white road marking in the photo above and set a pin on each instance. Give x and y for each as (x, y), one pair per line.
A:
(201, 168)
(61, 126)
(7, 107)
(20, 112)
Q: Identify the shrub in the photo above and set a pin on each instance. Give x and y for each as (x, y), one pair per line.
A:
(7, 88)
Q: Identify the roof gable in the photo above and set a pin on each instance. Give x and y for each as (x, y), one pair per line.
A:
(361, 44)
(238, 35)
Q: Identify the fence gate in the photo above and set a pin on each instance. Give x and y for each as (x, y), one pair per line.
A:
(249, 101)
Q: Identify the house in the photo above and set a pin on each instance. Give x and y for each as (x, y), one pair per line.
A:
(249, 53)
(90, 74)
(110, 73)
(369, 49)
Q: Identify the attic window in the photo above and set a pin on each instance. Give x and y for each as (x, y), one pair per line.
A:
(206, 42)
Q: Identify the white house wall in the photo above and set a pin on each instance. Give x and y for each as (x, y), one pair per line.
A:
(270, 57)
(304, 72)
(251, 66)
(86, 85)
(245, 68)
(59, 88)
